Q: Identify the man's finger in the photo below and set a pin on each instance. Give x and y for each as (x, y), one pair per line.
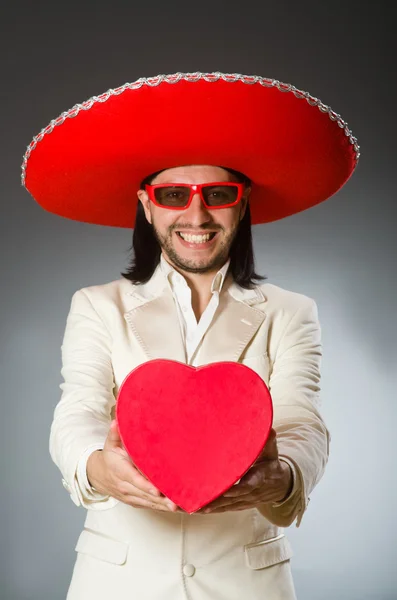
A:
(130, 489)
(238, 490)
(223, 502)
(140, 502)
(243, 505)
(144, 485)
(251, 480)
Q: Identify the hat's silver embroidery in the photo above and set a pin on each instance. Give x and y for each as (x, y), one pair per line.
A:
(192, 77)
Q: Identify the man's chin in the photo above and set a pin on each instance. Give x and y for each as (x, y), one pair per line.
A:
(194, 266)
(197, 266)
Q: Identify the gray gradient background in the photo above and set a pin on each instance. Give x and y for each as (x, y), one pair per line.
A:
(341, 253)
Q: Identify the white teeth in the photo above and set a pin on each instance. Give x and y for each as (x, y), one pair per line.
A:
(195, 239)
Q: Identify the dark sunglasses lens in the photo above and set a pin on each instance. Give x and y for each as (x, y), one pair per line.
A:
(173, 196)
(220, 195)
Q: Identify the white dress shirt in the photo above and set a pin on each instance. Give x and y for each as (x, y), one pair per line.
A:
(192, 334)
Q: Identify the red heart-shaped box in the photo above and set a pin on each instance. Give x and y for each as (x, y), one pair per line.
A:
(193, 431)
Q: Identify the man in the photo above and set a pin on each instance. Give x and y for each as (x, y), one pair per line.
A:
(189, 296)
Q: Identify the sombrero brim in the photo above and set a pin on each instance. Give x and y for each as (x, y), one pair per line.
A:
(87, 164)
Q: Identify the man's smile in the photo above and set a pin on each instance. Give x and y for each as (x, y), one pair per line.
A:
(197, 241)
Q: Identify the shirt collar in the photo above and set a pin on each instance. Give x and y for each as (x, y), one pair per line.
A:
(217, 282)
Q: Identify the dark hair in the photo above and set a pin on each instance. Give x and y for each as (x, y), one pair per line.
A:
(146, 250)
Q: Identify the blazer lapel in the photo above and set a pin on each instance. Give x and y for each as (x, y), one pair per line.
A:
(235, 323)
(154, 320)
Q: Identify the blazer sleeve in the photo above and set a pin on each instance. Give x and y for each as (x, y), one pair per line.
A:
(82, 416)
(302, 435)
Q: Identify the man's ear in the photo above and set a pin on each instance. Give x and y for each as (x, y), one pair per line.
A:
(144, 199)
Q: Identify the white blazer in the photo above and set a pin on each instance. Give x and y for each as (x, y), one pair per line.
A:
(140, 554)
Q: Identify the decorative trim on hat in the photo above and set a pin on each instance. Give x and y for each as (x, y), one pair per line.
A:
(191, 77)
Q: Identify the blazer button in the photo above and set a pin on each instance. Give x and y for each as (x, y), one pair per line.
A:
(189, 570)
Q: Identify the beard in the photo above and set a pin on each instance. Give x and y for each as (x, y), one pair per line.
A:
(196, 265)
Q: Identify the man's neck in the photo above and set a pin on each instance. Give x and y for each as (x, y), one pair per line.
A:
(200, 286)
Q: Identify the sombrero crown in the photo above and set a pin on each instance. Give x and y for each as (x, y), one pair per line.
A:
(88, 163)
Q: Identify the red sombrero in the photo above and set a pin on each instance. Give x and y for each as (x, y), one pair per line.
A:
(88, 163)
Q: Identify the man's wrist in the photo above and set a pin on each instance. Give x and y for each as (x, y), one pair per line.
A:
(92, 467)
(288, 481)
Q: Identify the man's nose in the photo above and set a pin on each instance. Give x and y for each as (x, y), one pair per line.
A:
(197, 209)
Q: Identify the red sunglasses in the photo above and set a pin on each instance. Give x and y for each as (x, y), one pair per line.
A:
(178, 196)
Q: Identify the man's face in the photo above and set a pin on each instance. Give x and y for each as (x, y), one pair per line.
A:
(194, 220)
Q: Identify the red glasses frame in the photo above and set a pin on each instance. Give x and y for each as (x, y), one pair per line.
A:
(194, 189)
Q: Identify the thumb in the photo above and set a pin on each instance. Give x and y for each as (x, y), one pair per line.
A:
(113, 440)
(270, 449)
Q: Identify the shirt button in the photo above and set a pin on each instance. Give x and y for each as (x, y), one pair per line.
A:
(189, 570)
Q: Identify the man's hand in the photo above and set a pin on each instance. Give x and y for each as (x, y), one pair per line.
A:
(268, 480)
(111, 471)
